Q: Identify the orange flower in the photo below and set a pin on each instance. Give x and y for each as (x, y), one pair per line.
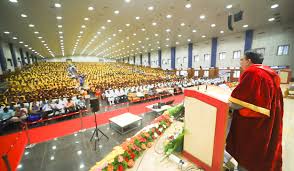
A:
(146, 134)
(110, 167)
(149, 144)
(143, 146)
(131, 163)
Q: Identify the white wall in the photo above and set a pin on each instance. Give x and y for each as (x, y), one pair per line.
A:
(200, 49)
(145, 59)
(270, 38)
(182, 57)
(7, 55)
(81, 59)
(166, 58)
(18, 57)
(138, 60)
(154, 59)
(229, 44)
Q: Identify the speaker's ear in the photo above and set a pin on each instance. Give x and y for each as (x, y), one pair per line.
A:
(230, 20)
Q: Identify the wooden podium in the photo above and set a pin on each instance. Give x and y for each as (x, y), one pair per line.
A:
(206, 115)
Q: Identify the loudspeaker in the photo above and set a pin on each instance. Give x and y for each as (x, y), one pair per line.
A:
(94, 104)
(230, 18)
(238, 16)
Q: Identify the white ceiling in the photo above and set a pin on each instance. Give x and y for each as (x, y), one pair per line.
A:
(115, 44)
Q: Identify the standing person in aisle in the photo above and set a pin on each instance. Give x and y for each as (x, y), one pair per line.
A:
(255, 137)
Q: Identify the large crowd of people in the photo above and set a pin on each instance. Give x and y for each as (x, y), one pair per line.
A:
(48, 89)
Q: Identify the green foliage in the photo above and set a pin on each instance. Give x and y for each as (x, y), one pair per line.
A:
(176, 111)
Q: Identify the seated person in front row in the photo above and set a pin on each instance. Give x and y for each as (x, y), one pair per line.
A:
(8, 115)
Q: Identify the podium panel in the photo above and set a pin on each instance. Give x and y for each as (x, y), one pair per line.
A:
(206, 115)
(203, 147)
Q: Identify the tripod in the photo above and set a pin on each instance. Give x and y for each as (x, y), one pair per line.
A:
(96, 133)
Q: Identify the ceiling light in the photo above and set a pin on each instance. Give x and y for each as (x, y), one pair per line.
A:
(21, 42)
(179, 35)
(245, 26)
(169, 16)
(114, 35)
(275, 6)
(119, 30)
(154, 24)
(194, 31)
(98, 32)
(229, 6)
(155, 34)
(31, 25)
(167, 30)
(40, 37)
(221, 31)
(14, 38)
(203, 36)
(83, 26)
(30, 48)
(137, 18)
(13, 1)
(202, 17)
(167, 39)
(127, 1)
(150, 8)
(86, 19)
(59, 26)
(188, 5)
(23, 15)
(127, 25)
(58, 17)
(157, 42)
(109, 21)
(103, 27)
(182, 24)
(166, 45)
(189, 40)
(134, 34)
(60, 32)
(116, 12)
(6, 32)
(57, 5)
(212, 25)
(271, 19)
(90, 8)
(26, 45)
(177, 43)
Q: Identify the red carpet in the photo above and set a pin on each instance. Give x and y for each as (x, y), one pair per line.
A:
(45, 133)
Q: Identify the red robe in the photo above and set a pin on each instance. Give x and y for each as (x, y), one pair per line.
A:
(255, 137)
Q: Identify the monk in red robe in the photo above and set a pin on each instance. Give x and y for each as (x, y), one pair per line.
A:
(255, 137)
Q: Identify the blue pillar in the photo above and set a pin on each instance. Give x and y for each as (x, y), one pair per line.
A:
(128, 60)
(28, 57)
(173, 57)
(134, 59)
(141, 59)
(149, 59)
(159, 58)
(248, 39)
(213, 51)
(190, 50)
(3, 61)
(13, 55)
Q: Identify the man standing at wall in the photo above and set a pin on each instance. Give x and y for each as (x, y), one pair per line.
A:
(255, 138)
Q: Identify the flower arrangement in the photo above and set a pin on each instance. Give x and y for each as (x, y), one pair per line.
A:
(174, 142)
(124, 156)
